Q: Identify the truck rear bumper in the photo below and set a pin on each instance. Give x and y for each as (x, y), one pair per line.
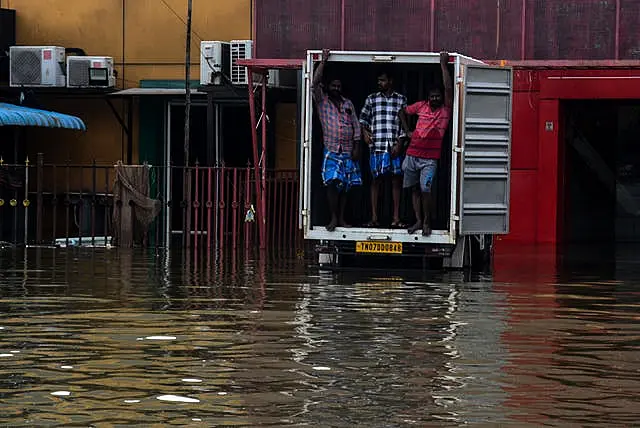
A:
(348, 248)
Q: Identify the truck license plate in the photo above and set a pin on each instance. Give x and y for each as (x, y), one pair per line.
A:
(379, 247)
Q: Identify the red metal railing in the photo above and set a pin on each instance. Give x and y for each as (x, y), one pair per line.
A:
(74, 204)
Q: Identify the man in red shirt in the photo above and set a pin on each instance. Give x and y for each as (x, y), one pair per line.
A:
(425, 148)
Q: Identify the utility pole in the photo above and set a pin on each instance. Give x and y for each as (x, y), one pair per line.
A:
(187, 83)
(187, 130)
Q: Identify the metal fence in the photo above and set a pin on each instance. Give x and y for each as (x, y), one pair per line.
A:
(199, 207)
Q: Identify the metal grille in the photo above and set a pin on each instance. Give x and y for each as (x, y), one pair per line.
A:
(26, 66)
(79, 72)
(239, 73)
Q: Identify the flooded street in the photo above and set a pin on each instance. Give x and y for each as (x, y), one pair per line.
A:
(101, 338)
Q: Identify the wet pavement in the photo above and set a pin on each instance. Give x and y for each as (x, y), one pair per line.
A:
(101, 338)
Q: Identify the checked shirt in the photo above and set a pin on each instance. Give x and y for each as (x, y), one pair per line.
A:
(380, 115)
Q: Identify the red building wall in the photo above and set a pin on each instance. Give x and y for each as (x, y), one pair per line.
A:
(486, 29)
(537, 152)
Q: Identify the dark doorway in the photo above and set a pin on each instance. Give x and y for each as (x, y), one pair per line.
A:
(198, 135)
(235, 135)
(197, 152)
(602, 172)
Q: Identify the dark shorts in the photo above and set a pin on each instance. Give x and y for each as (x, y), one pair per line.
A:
(382, 163)
(340, 170)
(419, 171)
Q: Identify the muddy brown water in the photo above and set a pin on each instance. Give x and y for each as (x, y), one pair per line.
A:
(106, 338)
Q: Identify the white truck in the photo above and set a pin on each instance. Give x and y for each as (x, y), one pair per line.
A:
(472, 187)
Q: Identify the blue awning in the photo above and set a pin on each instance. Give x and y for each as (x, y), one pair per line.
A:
(14, 115)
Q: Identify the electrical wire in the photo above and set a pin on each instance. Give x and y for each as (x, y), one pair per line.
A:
(184, 21)
(198, 36)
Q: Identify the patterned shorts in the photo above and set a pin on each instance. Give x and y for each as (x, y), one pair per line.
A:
(382, 163)
(340, 170)
(419, 171)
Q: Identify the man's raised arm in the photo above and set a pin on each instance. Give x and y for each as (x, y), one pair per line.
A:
(318, 92)
(446, 79)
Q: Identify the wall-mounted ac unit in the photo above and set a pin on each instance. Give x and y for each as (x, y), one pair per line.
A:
(282, 78)
(37, 66)
(90, 72)
(215, 62)
(240, 49)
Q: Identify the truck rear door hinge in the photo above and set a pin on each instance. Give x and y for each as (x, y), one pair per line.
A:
(458, 149)
(456, 218)
(305, 213)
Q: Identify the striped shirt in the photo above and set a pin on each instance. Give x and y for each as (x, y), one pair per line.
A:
(380, 115)
(340, 125)
(426, 141)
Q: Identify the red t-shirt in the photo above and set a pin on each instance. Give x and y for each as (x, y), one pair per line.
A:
(426, 141)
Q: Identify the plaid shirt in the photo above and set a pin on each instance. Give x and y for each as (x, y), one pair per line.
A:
(339, 124)
(380, 115)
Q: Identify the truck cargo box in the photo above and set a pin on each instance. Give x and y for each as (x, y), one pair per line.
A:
(472, 186)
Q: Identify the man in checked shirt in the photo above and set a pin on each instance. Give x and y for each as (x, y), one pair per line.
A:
(381, 128)
(341, 136)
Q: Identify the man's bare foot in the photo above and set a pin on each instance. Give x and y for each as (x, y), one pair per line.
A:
(426, 230)
(413, 229)
(332, 226)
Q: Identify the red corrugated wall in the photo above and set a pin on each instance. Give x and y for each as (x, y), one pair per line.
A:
(486, 29)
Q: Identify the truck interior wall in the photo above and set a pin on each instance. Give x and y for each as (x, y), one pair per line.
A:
(358, 81)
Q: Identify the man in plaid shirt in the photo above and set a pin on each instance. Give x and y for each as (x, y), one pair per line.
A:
(381, 128)
(341, 137)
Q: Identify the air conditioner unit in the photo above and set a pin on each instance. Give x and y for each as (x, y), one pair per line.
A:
(37, 66)
(240, 49)
(215, 62)
(90, 72)
(283, 78)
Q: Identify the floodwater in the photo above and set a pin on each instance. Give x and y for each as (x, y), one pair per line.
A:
(101, 338)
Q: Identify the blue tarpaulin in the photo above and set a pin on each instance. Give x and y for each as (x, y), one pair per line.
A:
(14, 115)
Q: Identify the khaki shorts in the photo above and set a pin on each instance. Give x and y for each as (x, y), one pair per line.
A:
(419, 171)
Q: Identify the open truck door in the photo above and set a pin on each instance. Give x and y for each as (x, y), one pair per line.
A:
(306, 118)
(302, 97)
(486, 150)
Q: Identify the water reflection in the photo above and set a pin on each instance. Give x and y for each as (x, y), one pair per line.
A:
(99, 337)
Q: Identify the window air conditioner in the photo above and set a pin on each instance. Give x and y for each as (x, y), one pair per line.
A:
(90, 72)
(37, 66)
(215, 62)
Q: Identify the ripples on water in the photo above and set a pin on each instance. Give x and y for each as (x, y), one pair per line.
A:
(106, 338)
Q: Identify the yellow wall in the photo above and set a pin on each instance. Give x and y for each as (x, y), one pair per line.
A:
(147, 44)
